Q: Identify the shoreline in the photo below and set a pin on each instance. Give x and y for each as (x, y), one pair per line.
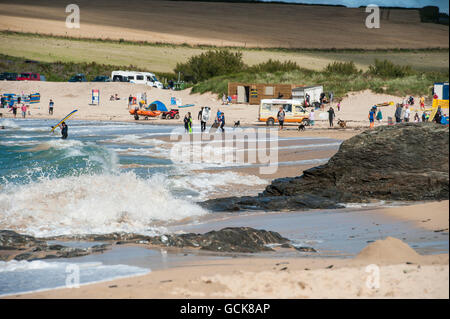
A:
(217, 278)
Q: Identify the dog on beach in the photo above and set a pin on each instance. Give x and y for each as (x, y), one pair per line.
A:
(342, 123)
(237, 123)
(301, 127)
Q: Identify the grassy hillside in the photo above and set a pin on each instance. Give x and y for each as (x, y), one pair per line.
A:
(164, 57)
(63, 71)
(340, 84)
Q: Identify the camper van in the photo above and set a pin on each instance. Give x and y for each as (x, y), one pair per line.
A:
(137, 77)
(314, 93)
(295, 112)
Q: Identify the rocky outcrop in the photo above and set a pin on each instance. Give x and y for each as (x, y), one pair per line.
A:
(23, 247)
(408, 162)
(231, 239)
(270, 203)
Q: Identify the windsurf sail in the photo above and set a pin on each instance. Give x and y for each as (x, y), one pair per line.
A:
(64, 119)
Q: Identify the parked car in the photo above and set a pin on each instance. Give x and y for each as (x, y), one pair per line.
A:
(139, 78)
(28, 76)
(78, 78)
(10, 76)
(120, 78)
(102, 78)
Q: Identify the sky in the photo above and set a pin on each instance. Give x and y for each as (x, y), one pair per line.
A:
(442, 4)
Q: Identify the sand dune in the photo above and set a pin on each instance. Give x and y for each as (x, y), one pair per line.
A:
(225, 24)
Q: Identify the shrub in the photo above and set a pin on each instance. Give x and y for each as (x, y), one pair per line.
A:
(346, 68)
(210, 64)
(387, 69)
(272, 66)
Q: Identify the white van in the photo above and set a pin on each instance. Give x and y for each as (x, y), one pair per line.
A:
(137, 77)
(294, 110)
(313, 92)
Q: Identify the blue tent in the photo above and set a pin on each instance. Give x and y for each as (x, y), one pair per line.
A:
(157, 106)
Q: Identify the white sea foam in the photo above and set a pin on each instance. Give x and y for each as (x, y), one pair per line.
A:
(9, 124)
(92, 204)
(25, 276)
(206, 183)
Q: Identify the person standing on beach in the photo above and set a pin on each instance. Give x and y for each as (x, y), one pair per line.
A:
(24, 110)
(222, 121)
(372, 118)
(331, 116)
(280, 116)
(204, 118)
(188, 122)
(14, 109)
(398, 113)
(379, 116)
(422, 103)
(407, 114)
(51, 105)
(312, 117)
(130, 101)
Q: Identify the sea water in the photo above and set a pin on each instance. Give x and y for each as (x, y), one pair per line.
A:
(106, 177)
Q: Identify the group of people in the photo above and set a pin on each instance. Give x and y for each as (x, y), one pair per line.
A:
(375, 113)
(203, 117)
(13, 107)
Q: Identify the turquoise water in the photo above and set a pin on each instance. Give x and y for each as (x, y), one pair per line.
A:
(112, 176)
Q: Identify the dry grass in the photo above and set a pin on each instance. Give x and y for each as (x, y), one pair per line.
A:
(163, 58)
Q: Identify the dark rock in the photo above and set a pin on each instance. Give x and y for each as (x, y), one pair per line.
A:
(277, 203)
(9, 238)
(306, 249)
(24, 256)
(36, 249)
(380, 164)
(406, 162)
(232, 239)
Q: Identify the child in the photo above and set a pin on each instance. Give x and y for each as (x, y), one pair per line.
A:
(379, 116)
(372, 118)
(24, 110)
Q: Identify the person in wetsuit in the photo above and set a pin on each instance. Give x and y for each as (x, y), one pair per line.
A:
(64, 130)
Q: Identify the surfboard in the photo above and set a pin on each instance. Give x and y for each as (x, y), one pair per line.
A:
(64, 119)
(205, 114)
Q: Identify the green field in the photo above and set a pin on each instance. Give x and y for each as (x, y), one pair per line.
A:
(163, 58)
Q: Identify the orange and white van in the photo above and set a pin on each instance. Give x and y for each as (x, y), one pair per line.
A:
(295, 112)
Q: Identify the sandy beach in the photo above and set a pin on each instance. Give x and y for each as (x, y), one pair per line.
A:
(69, 96)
